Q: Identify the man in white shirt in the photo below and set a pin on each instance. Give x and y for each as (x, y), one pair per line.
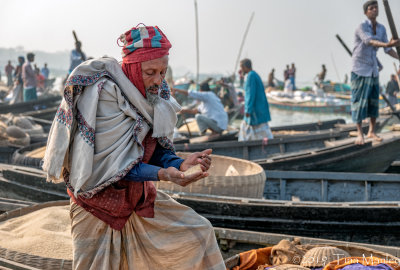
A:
(210, 114)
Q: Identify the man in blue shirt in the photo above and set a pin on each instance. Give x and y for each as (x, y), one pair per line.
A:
(45, 71)
(369, 36)
(255, 123)
(76, 57)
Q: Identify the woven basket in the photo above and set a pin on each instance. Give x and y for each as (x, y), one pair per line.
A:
(353, 250)
(29, 259)
(249, 183)
(320, 256)
(29, 156)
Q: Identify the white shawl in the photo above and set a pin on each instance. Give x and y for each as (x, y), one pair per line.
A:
(97, 134)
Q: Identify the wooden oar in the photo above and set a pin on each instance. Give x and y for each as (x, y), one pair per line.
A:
(187, 126)
(383, 96)
(391, 23)
(344, 44)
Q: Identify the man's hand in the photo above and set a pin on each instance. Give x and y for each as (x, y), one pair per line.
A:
(394, 43)
(175, 176)
(201, 158)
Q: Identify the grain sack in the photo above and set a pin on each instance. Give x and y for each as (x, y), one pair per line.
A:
(15, 132)
(22, 122)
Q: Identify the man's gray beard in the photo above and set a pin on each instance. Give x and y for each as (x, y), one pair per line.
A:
(152, 98)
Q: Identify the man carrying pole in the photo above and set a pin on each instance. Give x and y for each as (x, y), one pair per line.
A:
(369, 37)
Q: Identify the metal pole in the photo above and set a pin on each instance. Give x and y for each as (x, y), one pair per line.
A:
(197, 42)
(243, 40)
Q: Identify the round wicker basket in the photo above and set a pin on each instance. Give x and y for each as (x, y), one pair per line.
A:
(228, 177)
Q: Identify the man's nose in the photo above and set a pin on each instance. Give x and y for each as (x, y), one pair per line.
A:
(158, 79)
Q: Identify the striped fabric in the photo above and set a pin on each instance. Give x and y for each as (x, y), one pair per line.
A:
(177, 238)
(364, 97)
(143, 37)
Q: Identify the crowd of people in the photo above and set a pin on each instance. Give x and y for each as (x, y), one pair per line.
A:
(25, 80)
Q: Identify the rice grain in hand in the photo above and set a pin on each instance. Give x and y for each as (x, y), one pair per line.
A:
(193, 170)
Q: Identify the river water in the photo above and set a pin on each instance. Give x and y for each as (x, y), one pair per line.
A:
(286, 117)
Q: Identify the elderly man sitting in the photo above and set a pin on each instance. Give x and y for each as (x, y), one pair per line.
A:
(112, 136)
(210, 114)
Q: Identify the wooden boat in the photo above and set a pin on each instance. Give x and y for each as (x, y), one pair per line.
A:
(7, 204)
(33, 105)
(25, 183)
(230, 241)
(252, 150)
(6, 153)
(341, 156)
(331, 205)
(44, 114)
(306, 127)
(394, 167)
(247, 150)
(241, 241)
(340, 206)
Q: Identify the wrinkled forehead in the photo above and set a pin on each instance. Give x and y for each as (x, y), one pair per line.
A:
(157, 64)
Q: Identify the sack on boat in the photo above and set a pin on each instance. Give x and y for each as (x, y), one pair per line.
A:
(22, 122)
(13, 135)
(286, 252)
(253, 258)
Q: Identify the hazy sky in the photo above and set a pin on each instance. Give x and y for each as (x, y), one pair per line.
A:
(282, 32)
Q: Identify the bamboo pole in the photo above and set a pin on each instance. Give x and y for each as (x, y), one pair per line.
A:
(242, 44)
(344, 44)
(391, 23)
(197, 43)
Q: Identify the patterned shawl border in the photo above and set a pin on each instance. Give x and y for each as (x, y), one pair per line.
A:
(120, 175)
(90, 193)
(87, 132)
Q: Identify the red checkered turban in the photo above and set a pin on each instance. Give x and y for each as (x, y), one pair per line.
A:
(142, 44)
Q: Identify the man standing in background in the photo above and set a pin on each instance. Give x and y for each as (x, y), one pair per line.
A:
(77, 56)
(45, 71)
(392, 89)
(9, 70)
(271, 77)
(292, 76)
(369, 37)
(255, 123)
(29, 78)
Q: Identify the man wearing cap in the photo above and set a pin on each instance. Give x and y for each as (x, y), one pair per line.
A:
(29, 78)
(112, 136)
(369, 37)
(210, 114)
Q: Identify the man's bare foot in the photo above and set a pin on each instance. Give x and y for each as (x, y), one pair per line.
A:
(374, 137)
(359, 140)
